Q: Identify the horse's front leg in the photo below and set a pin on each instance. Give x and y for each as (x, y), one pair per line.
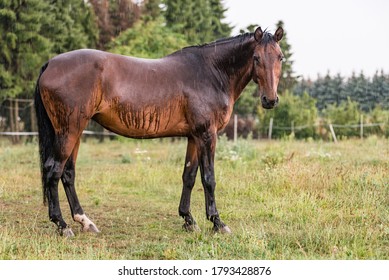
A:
(188, 179)
(206, 145)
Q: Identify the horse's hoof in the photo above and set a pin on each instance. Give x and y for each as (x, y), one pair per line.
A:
(225, 230)
(191, 228)
(86, 224)
(67, 232)
(91, 228)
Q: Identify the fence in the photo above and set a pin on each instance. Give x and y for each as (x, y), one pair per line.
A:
(17, 119)
(361, 126)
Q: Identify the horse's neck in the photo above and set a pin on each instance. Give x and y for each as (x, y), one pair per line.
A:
(235, 61)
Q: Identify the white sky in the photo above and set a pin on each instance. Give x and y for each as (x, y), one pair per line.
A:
(340, 36)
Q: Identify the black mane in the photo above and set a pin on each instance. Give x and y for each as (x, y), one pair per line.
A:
(238, 39)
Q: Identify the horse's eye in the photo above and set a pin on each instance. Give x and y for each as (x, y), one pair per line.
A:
(282, 58)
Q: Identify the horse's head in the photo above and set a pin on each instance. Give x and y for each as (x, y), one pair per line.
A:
(267, 65)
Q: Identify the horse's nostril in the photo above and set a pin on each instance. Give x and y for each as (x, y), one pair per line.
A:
(269, 104)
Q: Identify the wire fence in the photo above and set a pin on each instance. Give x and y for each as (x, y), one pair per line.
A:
(361, 126)
(17, 119)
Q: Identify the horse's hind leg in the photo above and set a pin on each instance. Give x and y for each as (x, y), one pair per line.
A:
(53, 170)
(68, 178)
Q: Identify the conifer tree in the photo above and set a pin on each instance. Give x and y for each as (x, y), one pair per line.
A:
(199, 20)
(23, 47)
(71, 25)
(288, 79)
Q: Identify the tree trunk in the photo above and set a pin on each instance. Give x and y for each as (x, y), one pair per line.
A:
(11, 119)
(34, 126)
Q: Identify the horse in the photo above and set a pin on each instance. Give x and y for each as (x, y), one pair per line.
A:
(189, 93)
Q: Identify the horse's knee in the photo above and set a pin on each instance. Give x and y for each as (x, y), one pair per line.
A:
(189, 179)
(68, 176)
(209, 183)
(53, 170)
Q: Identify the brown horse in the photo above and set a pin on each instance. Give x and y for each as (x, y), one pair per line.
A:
(189, 93)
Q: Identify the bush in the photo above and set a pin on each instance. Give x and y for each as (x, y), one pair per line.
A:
(292, 111)
(344, 115)
(378, 116)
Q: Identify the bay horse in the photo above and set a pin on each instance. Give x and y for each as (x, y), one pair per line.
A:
(189, 93)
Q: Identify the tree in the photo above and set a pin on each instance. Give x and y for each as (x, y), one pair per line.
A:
(22, 51)
(327, 91)
(380, 90)
(148, 40)
(113, 17)
(151, 10)
(71, 25)
(288, 79)
(219, 28)
(357, 87)
(23, 47)
(200, 20)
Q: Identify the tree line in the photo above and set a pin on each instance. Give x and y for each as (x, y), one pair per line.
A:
(333, 90)
(33, 31)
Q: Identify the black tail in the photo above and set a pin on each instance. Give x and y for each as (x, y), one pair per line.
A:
(45, 130)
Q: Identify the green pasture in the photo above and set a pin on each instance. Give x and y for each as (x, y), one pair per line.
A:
(281, 199)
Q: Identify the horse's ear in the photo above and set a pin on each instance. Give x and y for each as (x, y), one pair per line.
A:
(278, 34)
(258, 34)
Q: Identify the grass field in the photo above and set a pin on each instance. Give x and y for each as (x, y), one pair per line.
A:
(282, 200)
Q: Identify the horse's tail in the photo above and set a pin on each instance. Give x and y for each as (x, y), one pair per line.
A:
(45, 131)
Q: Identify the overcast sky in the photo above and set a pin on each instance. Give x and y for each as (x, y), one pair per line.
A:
(340, 36)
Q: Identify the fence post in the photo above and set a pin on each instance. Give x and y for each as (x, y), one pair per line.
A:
(235, 128)
(270, 128)
(333, 133)
(361, 127)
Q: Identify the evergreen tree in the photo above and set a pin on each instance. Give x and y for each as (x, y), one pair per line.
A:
(357, 87)
(380, 90)
(23, 47)
(220, 29)
(337, 89)
(71, 25)
(288, 79)
(318, 91)
(198, 20)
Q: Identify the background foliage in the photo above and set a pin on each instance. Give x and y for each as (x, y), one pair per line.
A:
(33, 31)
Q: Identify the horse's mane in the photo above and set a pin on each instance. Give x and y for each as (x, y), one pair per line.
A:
(238, 39)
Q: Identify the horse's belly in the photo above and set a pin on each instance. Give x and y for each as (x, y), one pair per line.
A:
(148, 122)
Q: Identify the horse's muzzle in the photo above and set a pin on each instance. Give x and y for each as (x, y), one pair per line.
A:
(267, 103)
